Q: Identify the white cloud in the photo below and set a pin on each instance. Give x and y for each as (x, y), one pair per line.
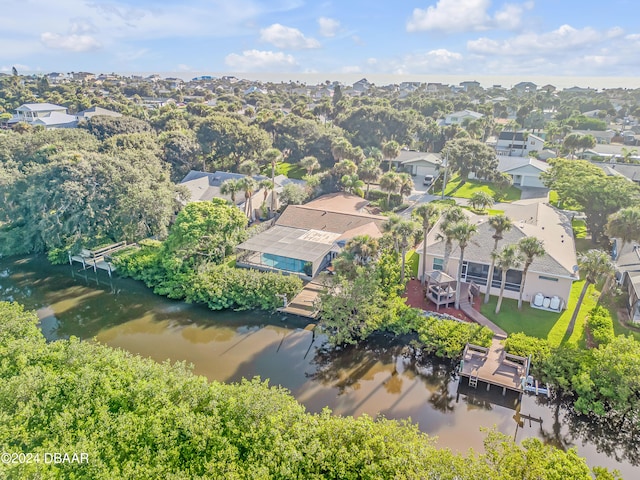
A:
(72, 42)
(287, 37)
(451, 16)
(328, 26)
(351, 69)
(467, 15)
(260, 60)
(433, 61)
(565, 38)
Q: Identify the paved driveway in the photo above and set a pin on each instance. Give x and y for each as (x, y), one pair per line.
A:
(534, 193)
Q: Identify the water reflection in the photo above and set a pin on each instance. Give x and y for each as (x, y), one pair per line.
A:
(383, 376)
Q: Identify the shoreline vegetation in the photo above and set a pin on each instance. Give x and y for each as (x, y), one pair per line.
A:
(136, 418)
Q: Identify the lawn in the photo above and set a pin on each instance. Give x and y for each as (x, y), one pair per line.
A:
(455, 188)
(489, 211)
(540, 323)
(413, 260)
(554, 200)
(289, 169)
(579, 228)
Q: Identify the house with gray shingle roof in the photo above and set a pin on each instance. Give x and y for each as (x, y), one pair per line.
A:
(45, 114)
(627, 265)
(549, 276)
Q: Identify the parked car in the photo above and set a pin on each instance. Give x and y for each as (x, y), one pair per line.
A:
(428, 180)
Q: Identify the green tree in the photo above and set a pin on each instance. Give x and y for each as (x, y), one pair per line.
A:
(231, 187)
(468, 156)
(390, 151)
(369, 172)
(248, 185)
(594, 266)
(598, 195)
(249, 168)
(625, 225)
(340, 148)
(481, 200)
(352, 184)
(529, 248)
(500, 224)
(310, 163)
(406, 185)
(390, 183)
(506, 259)
(462, 232)
(451, 217)
(293, 194)
(425, 213)
(205, 232)
(405, 231)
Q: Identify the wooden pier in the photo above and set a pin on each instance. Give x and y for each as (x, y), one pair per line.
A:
(303, 304)
(494, 366)
(97, 259)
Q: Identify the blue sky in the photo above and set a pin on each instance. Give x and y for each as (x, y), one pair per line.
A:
(454, 37)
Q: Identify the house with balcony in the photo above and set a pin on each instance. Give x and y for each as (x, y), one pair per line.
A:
(549, 278)
(47, 115)
(626, 259)
(518, 144)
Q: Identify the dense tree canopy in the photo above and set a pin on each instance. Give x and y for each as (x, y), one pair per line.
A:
(139, 419)
(598, 195)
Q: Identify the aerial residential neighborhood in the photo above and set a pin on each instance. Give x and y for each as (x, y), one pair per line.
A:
(494, 237)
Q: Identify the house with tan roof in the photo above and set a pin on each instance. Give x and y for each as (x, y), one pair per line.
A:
(549, 278)
(306, 238)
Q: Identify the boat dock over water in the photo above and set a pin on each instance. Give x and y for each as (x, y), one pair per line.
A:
(494, 366)
(97, 259)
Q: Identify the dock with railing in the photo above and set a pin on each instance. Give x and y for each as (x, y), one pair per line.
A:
(99, 259)
(493, 366)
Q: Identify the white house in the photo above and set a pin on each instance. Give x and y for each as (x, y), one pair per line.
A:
(418, 163)
(45, 114)
(456, 118)
(518, 144)
(525, 172)
(549, 276)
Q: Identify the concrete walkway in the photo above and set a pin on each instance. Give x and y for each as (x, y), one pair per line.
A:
(477, 317)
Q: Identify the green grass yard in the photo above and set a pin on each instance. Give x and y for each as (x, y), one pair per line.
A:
(541, 323)
(289, 169)
(455, 188)
(412, 263)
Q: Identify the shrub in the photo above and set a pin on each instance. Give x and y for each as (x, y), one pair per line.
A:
(600, 325)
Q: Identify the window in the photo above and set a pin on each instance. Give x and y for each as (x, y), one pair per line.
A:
(438, 263)
(513, 280)
(551, 279)
(477, 273)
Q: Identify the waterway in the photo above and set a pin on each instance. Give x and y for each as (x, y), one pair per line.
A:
(383, 377)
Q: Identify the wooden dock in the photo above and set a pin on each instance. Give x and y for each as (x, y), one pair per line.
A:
(303, 304)
(493, 366)
(97, 259)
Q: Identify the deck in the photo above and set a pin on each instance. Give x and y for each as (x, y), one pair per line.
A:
(493, 366)
(303, 304)
(98, 259)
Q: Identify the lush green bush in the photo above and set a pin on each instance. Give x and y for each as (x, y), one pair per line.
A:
(217, 286)
(524, 345)
(137, 419)
(600, 325)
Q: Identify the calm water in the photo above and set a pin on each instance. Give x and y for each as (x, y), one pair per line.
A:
(382, 377)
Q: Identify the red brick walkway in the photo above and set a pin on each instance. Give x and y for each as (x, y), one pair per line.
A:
(416, 298)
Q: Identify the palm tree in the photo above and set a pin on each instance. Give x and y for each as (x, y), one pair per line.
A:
(530, 248)
(374, 152)
(265, 184)
(462, 232)
(406, 185)
(500, 224)
(508, 258)
(273, 156)
(512, 126)
(363, 249)
(310, 164)
(231, 187)
(625, 225)
(249, 168)
(405, 231)
(390, 151)
(390, 182)
(340, 148)
(481, 200)
(594, 265)
(352, 184)
(369, 172)
(450, 217)
(424, 213)
(248, 185)
(344, 167)
(389, 227)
